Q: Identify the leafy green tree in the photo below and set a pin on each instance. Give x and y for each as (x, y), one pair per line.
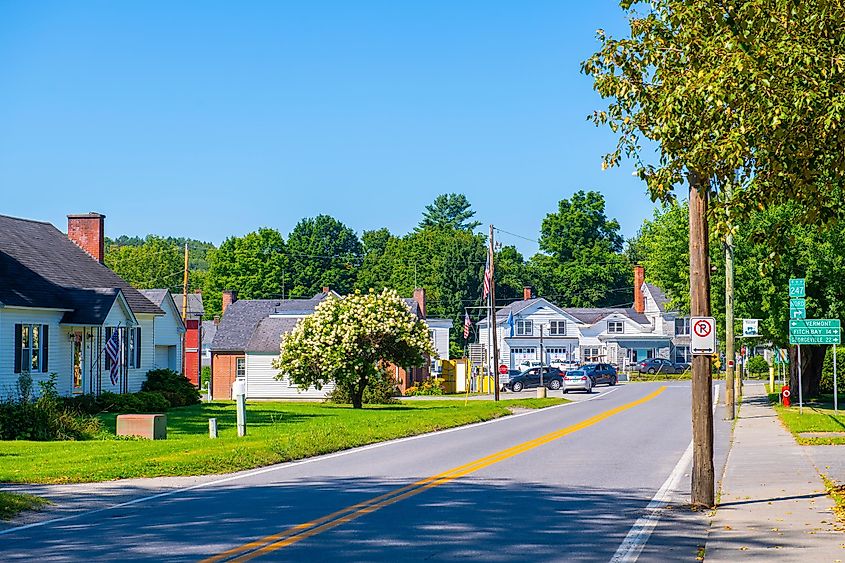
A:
(449, 211)
(254, 265)
(346, 341)
(743, 101)
(511, 274)
(323, 252)
(448, 263)
(197, 249)
(375, 269)
(582, 263)
(155, 263)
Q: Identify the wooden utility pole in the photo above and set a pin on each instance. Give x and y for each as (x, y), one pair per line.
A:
(703, 482)
(185, 287)
(493, 325)
(730, 354)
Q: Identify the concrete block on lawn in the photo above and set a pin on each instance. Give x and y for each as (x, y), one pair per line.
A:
(150, 426)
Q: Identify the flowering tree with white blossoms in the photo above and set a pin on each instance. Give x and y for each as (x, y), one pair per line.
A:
(346, 340)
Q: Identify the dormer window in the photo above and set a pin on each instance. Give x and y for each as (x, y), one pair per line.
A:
(615, 327)
(524, 328)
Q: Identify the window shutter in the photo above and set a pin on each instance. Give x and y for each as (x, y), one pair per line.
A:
(105, 355)
(138, 347)
(18, 347)
(45, 346)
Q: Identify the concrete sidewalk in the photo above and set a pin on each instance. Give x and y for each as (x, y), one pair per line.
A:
(773, 503)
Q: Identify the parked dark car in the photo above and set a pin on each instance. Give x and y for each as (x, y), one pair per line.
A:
(600, 373)
(552, 379)
(661, 365)
(504, 378)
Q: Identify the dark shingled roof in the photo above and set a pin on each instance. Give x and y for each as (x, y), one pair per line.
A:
(239, 322)
(591, 315)
(90, 306)
(660, 298)
(209, 329)
(41, 267)
(195, 305)
(268, 334)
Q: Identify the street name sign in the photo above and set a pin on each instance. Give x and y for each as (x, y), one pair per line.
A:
(796, 287)
(703, 335)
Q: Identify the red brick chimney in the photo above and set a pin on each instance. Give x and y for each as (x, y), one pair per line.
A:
(87, 232)
(419, 297)
(639, 280)
(326, 289)
(527, 292)
(229, 297)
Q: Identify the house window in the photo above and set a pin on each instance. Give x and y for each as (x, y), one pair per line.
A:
(524, 328)
(682, 355)
(557, 328)
(31, 348)
(591, 355)
(682, 327)
(240, 368)
(615, 327)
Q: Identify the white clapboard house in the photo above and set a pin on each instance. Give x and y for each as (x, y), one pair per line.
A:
(59, 304)
(618, 335)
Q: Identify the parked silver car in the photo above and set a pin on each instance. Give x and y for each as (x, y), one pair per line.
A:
(577, 380)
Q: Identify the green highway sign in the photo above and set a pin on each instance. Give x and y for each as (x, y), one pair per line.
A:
(796, 287)
(802, 339)
(804, 331)
(800, 303)
(814, 323)
(797, 313)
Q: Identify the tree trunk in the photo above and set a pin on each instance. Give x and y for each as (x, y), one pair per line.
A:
(812, 360)
(703, 477)
(358, 393)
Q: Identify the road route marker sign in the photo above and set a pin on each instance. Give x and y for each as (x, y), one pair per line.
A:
(796, 287)
(703, 335)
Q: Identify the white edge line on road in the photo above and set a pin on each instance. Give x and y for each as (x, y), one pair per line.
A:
(633, 544)
(282, 466)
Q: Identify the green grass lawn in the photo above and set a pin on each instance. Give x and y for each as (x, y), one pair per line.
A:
(12, 504)
(818, 416)
(276, 432)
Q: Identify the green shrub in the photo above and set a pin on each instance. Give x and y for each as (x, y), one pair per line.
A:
(380, 390)
(45, 418)
(175, 387)
(758, 366)
(205, 377)
(428, 386)
(826, 384)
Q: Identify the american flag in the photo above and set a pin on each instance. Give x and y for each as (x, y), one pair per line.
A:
(113, 352)
(488, 275)
(467, 324)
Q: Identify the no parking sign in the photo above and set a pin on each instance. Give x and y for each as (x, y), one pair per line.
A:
(703, 335)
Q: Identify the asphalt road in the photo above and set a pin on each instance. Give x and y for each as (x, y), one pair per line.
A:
(565, 483)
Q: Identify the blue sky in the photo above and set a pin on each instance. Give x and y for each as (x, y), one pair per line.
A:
(210, 119)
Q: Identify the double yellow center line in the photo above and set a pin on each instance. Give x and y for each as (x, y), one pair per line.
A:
(305, 530)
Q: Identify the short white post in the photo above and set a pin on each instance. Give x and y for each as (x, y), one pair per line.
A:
(239, 391)
(212, 427)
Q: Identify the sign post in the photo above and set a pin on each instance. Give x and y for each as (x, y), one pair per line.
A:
(835, 390)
